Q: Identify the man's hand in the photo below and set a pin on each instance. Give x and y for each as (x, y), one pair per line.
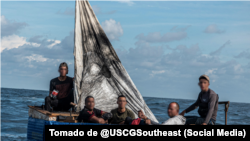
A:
(72, 104)
(183, 112)
(148, 121)
(122, 122)
(98, 120)
(102, 121)
(50, 93)
(203, 124)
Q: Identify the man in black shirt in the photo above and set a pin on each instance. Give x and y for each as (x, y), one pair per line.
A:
(91, 114)
(64, 85)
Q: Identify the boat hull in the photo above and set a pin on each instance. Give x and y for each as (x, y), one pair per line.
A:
(36, 127)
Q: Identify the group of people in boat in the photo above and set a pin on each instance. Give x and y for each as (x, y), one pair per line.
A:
(61, 95)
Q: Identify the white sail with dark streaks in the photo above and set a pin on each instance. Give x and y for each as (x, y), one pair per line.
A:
(98, 70)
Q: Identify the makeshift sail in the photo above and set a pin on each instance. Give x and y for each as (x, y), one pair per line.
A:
(98, 69)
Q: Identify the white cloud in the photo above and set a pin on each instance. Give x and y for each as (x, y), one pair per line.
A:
(113, 29)
(130, 3)
(179, 62)
(34, 61)
(213, 29)
(3, 20)
(36, 57)
(158, 72)
(15, 41)
(55, 42)
(211, 71)
(35, 44)
(238, 69)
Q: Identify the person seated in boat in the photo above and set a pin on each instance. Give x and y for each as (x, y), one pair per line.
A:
(120, 113)
(91, 114)
(60, 91)
(173, 113)
(207, 102)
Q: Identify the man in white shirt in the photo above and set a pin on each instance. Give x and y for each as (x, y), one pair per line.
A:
(173, 113)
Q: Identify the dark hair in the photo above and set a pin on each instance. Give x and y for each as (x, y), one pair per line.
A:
(120, 96)
(63, 64)
(88, 98)
(202, 78)
(178, 106)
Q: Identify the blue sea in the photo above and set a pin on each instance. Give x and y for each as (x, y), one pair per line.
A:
(14, 111)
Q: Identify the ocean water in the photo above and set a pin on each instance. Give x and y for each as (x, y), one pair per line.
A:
(14, 111)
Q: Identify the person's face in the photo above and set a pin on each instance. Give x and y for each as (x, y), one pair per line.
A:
(63, 71)
(172, 110)
(90, 104)
(140, 113)
(203, 83)
(121, 102)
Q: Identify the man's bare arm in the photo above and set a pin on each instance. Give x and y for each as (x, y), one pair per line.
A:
(192, 107)
(122, 122)
(50, 93)
(98, 120)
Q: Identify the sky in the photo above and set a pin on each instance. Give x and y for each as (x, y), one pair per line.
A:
(164, 45)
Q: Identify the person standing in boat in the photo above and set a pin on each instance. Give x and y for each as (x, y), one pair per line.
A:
(91, 114)
(207, 102)
(60, 91)
(121, 113)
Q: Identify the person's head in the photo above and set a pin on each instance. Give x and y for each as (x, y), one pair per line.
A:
(63, 69)
(204, 82)
(141, 114)
(173, 109)
(121, 101)
(90, 102)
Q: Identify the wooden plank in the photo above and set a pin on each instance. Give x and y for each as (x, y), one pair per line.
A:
(35, 114)
(55, 113)
(65, 114)
(40, 110)
(72, 121)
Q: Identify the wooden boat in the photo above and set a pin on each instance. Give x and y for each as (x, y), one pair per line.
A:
(38, 118)
(92, 50)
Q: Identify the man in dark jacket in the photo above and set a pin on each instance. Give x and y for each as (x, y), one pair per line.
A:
(207, 102)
